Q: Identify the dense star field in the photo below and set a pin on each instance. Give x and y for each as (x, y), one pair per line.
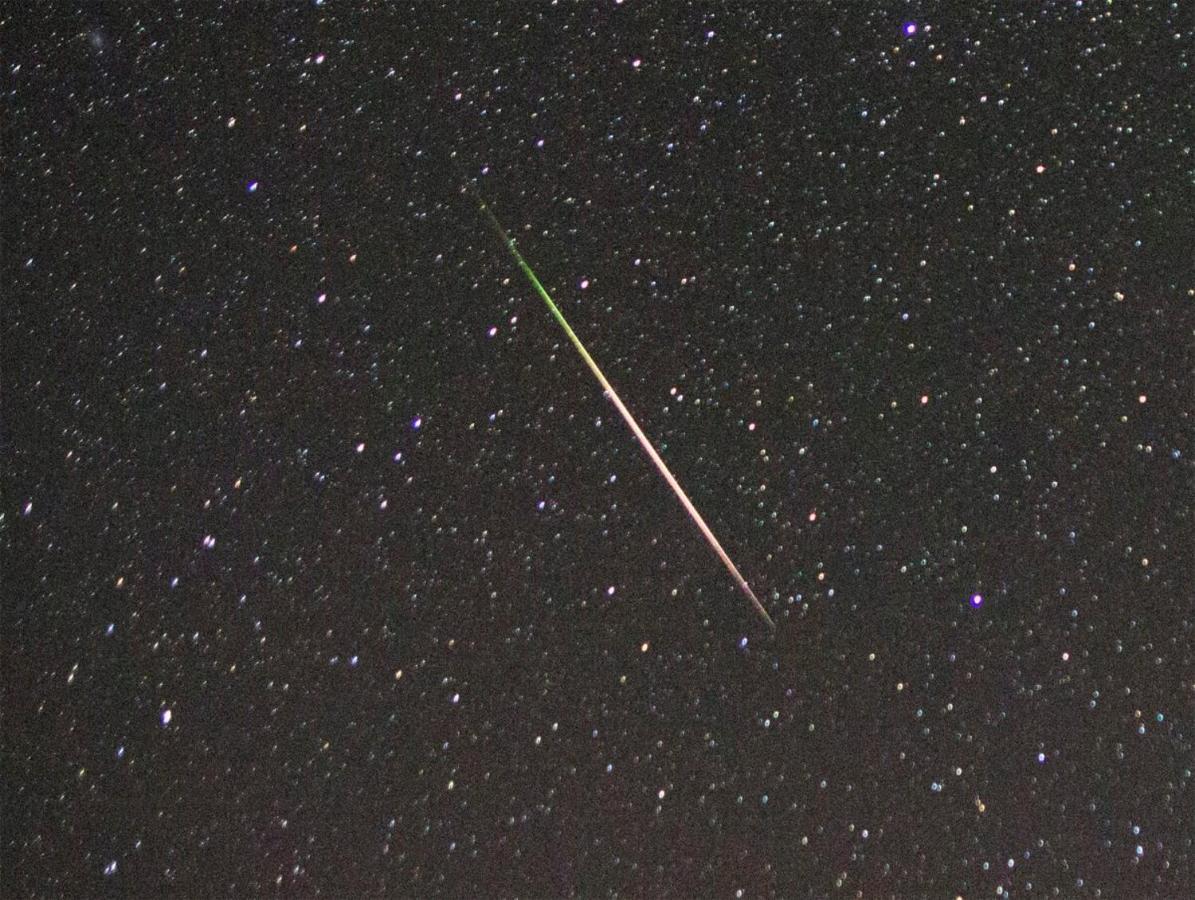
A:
(329, 571)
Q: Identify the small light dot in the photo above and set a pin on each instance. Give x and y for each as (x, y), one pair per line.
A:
(1141, 398)
(1040, 168)
(361, 447)
(643, 647)
(417, 422)
(584, 283)
(910, 28)
(493, 331)
(636, 63)
(167, 715)
(977, 600)
(252, 188)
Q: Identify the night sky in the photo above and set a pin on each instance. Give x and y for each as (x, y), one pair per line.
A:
(329, 571)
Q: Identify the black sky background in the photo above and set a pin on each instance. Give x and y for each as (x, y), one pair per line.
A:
(909, 311)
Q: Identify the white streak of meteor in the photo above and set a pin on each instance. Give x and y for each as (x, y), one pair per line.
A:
(629, 419)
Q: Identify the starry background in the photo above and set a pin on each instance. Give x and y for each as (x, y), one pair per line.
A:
(329, 571)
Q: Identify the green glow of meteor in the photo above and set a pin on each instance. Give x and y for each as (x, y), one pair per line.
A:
(627, 417)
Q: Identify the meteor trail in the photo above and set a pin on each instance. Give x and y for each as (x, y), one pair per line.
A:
(627, 417)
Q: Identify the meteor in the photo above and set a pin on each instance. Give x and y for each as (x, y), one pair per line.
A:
(627, 417)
